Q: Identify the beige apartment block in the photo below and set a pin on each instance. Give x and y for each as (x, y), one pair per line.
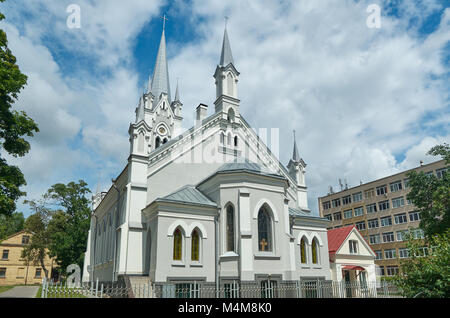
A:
(13, 269)
(381, 212)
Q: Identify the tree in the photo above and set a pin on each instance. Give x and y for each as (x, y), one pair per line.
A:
(14, 126)
(70, 225)
(427, 272)
(431, 195)
(11, 224)
(37, 224)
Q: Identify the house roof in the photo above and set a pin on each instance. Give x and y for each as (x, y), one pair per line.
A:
(336, 237)
(190, 195)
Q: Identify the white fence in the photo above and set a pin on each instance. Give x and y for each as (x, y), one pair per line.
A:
(51, 289)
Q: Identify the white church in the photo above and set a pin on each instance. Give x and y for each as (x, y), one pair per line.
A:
(211, 204)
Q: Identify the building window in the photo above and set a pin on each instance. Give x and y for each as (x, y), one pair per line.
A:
(371, 208)
(326, 205)
(374, 239)
(353, 246)
(230, 229)
(382, 190)
(5, 254)
(382, 272)
(373, 224)
(338, 226)
(346, 200)
(303, 251)
(382, 206)
(314, 252)
(357, 197)
(336, 202)
(389, 254)
(398, 202)
(222, 138)
(391, 270)
(406, 183)
(440, 172)
(414, 216)
(417, 234)
(195, 247)
(378, 255)
(386, 221)
(401, 236)
(2, 272)
(264, 231)
(361, 225)
(348, 214)
(337, 216)
(235, 141)
(388, 237)
(396, 186)
(229, 139)
(25, 239)
(403, 252)
(359, 211)
(177, 245)
(329, 217)
(369, 193)
(38, 273)
(400, 218)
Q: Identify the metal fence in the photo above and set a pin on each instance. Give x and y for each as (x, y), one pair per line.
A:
(264, 289)
(51, 289)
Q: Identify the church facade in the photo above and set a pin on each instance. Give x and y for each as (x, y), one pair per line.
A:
(211, 204)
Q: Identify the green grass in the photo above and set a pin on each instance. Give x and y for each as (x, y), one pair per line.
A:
(54, 292)
(5, 288)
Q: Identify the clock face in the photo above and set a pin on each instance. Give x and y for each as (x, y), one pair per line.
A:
(162, 130)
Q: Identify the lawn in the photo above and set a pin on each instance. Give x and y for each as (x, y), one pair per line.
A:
(5, 288)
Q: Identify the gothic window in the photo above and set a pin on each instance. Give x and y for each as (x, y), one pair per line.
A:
(141, 142)
(230, 115)
(195, 246)
(165, 140)
(235, 141)
(229, 139)
(177, 245)
(230, 84)
(264, 231)
(314, 252)
(303, 251)
(222, 138)
(157, 142)
(230, 229)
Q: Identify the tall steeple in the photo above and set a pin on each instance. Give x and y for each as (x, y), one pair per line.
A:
(160, 81)
(226, 56)
(295, 155)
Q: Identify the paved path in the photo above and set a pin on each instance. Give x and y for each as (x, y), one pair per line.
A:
(20, 292)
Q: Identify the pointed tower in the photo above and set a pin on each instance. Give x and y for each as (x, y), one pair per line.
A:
(296, 168)
(176, 104)
(226, 78)
(160, 81)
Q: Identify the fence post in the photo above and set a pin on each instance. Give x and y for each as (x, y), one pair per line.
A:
(101, 292)
(96, 288)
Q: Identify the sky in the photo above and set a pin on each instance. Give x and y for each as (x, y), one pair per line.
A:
(365, 102)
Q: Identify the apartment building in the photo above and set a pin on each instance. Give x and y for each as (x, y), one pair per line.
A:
(382, 213)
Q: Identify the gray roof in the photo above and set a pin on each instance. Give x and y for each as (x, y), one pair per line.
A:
(190, 195)
(226, 57)
(241, 163)
(297, 212)
(160, 80)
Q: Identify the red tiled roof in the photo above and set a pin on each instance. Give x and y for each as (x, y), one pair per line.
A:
(336, 237)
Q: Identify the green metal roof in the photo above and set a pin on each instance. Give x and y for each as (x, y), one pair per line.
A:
(188, 195)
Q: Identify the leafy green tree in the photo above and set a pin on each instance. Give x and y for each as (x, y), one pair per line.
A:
(14, 126)
(431, 195)
(37, 223)
(426, 273)
(10, 224)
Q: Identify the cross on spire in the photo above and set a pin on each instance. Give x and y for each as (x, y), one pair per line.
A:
(164, 21)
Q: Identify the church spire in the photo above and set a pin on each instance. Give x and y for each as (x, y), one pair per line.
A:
(160, 81)
(177, 94)
(295, 155)
(226, 57)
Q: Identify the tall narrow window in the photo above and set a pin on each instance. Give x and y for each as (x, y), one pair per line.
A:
(314, 251)
(141, 142)
(230, 84)
(157, 142)
(264, 231)
(230, 229)
(235, 141)
(177, 245)
(303, 250)
(195, 248)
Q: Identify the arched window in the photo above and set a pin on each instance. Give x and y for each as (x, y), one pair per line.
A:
(157, 142)
(177, 245)
(314, 251)
(229, 139)
(230, 229)
(230, 84)
(264, 231)
(303, 251)
(235, 141)
(195, 246)
(141, 142)
(230, 115)
(165, 140)
(222, 138)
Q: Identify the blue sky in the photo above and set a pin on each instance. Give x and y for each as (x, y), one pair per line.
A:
(365, 102)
